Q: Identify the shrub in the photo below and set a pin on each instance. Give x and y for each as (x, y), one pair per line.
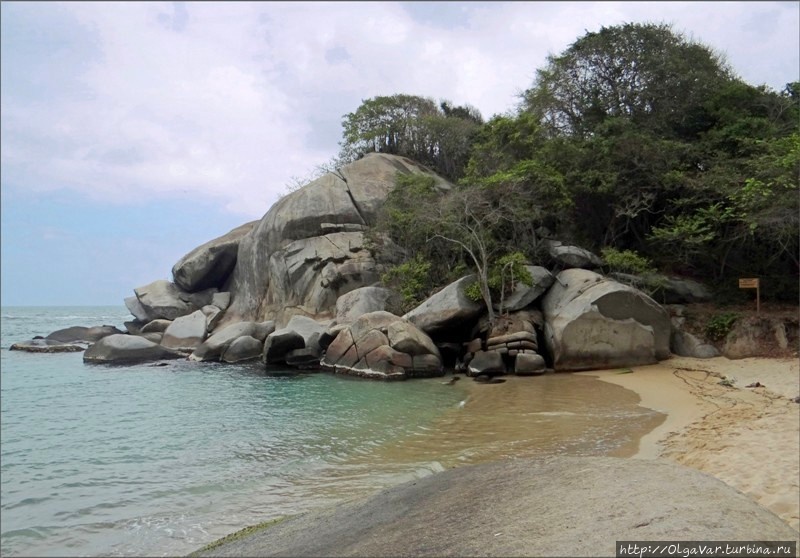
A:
(720, 325)
(627, 261)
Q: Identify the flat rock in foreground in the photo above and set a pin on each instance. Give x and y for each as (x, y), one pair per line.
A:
(559, 506)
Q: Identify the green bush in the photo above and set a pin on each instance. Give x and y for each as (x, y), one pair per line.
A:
(411, 279)
(627, 261)
(720, 325)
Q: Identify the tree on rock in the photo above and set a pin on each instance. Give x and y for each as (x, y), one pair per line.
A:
(414, 127)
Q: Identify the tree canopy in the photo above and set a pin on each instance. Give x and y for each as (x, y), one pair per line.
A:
(635, 140)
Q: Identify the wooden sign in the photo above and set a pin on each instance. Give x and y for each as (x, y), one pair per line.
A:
(752, 283)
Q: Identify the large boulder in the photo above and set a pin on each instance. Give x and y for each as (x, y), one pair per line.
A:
(186, 332)
(127, 349)
(160, 300)
(308, 249)
(568, 256)
(310, 330)
(354, 304)
(446, 309)
(210, 265)
(668, 290)
(242, 349)
(83, 334)
(212, 348)
(279, 343)
(684, 343)
(380, 345)
(592, 322)
(524, 295)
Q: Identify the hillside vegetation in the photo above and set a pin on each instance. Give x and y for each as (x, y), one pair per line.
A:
(634, 142)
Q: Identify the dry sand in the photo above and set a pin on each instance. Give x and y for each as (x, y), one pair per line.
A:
(747, 437)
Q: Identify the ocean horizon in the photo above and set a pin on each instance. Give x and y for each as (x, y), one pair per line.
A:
(140, 460)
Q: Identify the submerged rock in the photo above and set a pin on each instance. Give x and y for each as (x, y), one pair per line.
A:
(127, 349)
(46, 346)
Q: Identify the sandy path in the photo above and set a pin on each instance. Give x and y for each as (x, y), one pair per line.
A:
(747, 437)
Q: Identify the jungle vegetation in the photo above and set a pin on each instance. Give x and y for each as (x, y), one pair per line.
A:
(635, 142)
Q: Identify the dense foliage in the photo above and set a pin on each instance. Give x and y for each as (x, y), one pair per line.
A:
(634, 142)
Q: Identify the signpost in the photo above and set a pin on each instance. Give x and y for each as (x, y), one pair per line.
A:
(752, 283)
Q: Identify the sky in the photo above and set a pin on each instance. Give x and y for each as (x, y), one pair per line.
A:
(133, 132)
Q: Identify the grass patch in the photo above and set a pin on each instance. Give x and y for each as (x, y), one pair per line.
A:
(241, 533)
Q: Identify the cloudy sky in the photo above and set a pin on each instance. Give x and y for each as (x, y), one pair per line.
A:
(133, 132)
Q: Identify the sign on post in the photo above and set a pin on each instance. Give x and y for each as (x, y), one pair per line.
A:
(752, 283)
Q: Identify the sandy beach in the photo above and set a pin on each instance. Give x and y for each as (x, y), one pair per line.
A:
(748, 437)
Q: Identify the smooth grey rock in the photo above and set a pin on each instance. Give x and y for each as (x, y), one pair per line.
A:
(569, 256)
(213, 347)
(668, 290)
(84, 334)
(280, 342)
(529, 364)
(407, 338)
(162, 299)
(186, 333)
(127, 349)
(592, 322)
(135, 307)
(486, 362)
(354, 304)
(525, 295)
(134, 327)
(158, 326)
(210, 265)
(683, 343)
(213, 315)
(308, 329)
(553, 506)
(242, 349)
(447, 308)
(221, 300)
(154, 336)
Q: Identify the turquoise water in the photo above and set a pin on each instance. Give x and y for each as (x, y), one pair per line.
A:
(143, 460)
(159, 461)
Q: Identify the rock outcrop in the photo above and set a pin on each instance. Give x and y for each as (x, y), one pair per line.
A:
(211, 264)
(215, 346)
(593, 322)
(308, 249)
(350, 306)
(568, 256)
(162, 299)
(41, 345)
(524, 295)
(555, 506)
(82, 334)
(448, 309)
(127, 349)
(185, 333)
(380, 345)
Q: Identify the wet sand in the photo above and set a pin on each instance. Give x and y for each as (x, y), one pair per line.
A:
(747, 437)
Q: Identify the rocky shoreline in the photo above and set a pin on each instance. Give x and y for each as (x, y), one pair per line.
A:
(296, 289)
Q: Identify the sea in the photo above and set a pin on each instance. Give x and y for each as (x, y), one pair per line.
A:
(146, 460)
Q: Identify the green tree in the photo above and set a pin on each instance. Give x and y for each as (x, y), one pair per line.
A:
(646, 73)
(438, 136)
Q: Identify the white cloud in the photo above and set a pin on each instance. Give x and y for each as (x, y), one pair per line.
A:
(230, 100)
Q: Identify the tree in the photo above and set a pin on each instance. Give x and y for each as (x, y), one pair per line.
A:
(415, 127)
(646, 73)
